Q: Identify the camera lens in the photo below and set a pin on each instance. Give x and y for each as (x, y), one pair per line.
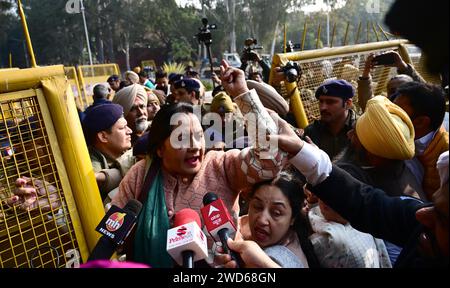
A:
(291, 75)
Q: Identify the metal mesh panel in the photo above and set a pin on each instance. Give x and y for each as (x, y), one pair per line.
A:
(348, 67)
(91, 75)
(418, 62)
(71, 74)
(41, 236)
(98, 70)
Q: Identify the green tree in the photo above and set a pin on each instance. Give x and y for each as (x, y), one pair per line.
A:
(353, 12)
(56, 35)
(7, 21)
(120, 25)
(5, 18)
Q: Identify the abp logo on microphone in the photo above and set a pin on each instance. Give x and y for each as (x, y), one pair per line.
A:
(115, 221)
(212, 210)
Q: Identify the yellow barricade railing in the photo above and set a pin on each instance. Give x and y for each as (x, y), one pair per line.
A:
(72, 76)
(345, 62)
(41, 138)
(418, 60)
(89, 76)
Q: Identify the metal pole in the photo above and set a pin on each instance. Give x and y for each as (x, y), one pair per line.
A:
(375, 31)
(368, 23)
(274, 41)
(26, 34)
(86, 31)
(357, 34)
(204, 16)
(318, 36)
(208, 50)
(382, 31)
(328, 23)
(332, 34)
(304, 34)
(346, 33)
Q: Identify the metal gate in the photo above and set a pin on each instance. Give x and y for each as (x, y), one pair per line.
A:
(42, 142)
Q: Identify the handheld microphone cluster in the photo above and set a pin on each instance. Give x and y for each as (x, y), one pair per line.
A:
(186, 242)
(218, 221)
(115, 227)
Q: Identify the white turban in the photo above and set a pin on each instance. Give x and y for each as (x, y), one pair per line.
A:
(126, 96)
(132, 77)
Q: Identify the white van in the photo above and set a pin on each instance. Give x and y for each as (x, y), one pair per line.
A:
(233, 59)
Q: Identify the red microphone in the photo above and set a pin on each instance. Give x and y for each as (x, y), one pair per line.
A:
(185, 216)
(218, 221)
(186, 243)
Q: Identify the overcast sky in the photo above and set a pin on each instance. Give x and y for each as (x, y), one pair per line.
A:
(182, 3)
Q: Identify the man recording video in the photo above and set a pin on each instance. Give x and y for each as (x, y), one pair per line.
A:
(249, 54)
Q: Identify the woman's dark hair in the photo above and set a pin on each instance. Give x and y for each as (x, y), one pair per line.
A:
(292, 188)
(161, 128)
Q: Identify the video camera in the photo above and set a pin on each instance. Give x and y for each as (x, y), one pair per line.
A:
(204, 36)
(249, 54)
(292, 71)
(290, 46)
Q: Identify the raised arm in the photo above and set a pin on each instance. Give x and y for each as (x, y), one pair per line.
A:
(368, 209)
(263, 160)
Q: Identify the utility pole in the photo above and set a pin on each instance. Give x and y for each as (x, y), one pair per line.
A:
(328, 23)
(27, 35)
(203, 16)
(274, 42)
(86, 31)
(231, 9)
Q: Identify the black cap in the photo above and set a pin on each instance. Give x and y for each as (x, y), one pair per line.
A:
(113, 78)
(209, 198)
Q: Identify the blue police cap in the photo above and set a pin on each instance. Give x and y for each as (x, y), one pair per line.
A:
(188, 84)
(102, 117)
(174, 77)
(336, 88)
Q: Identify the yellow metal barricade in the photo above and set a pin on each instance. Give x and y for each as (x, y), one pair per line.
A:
(418, 60)
(148, 64)
(72, 76)
(345, 62)
(9, 69)
(41, 139)
(89, 76)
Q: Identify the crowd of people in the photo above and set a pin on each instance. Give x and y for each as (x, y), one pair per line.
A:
(350, 190)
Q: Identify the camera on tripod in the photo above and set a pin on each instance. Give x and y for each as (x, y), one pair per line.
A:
(204, 36)
(249, 53)
(292, 71)
(290, 46)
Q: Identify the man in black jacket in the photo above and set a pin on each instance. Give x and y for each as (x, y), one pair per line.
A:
(421, 229)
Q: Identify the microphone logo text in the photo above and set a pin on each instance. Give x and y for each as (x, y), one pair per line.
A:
(181, 231)
(115, 221)
(216, 219)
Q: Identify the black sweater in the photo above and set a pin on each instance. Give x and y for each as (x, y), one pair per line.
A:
(371, 211)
